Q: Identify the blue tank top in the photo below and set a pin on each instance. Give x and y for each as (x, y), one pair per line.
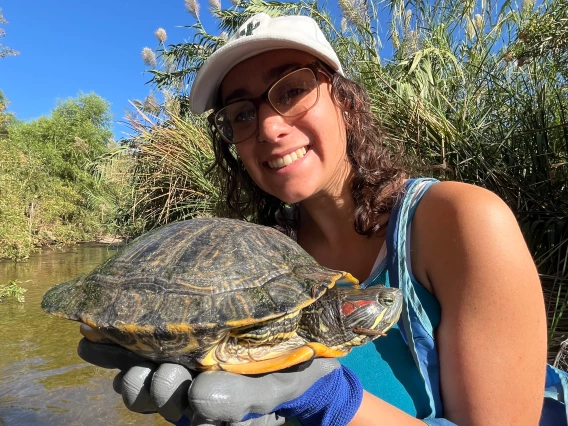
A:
(386, 366)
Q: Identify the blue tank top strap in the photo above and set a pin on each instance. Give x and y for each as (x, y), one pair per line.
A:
(414, 324)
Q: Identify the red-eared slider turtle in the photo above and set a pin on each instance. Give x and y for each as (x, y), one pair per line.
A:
(221, 294)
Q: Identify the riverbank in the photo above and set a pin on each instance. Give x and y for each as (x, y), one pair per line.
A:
(22, 253)
(109, 239)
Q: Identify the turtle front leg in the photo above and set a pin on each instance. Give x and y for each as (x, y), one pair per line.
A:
(265, 347)
(261, 348)
(269, 332)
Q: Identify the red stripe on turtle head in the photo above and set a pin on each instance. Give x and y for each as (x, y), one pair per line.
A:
(349, 307)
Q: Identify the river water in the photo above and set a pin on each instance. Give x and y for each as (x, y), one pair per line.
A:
(42, 380)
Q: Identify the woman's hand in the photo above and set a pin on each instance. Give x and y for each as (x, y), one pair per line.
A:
(320, 392)
(145, 386)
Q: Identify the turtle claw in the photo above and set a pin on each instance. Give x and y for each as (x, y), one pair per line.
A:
(368, 332)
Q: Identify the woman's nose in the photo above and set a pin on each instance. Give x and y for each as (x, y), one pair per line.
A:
(271, 125)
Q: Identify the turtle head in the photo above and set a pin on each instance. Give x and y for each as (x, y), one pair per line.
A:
(369, 313)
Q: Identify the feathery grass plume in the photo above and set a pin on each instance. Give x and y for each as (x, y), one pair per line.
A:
(149, 57)
(215, 4)
(151, 104)
(411, 42)
(343, 24)
(361, 6)
(527, 6)
(395, 37)
(346, 10)
(407, 19)
(224, 36)
(192, 7)
(179, 86)
(470, 29)
(161, 35)
(478, 22)
(354, 12)
(171, 102)
(169, 64)
(468, 7)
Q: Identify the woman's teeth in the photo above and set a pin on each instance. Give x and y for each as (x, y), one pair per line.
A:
(287, 159)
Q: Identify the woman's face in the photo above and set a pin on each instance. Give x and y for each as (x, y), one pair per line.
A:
(316, 137)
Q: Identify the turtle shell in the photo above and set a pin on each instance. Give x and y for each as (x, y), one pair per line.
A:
(190, 279)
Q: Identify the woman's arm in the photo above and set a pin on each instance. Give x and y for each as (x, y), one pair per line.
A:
(376, 412)
(468, 249)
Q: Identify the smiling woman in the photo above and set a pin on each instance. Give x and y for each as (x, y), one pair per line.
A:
(277, 90)
(366, 148)
(279, 132)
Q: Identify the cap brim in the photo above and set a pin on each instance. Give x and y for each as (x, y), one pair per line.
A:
(203, 92)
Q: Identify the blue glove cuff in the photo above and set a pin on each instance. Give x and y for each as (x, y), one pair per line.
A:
(183, 421)
(331, 401)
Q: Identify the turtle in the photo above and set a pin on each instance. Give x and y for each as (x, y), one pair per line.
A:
(224, 294)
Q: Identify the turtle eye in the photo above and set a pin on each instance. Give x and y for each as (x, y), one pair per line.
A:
(388, 301)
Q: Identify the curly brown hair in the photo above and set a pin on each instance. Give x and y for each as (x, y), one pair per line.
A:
(378, 173)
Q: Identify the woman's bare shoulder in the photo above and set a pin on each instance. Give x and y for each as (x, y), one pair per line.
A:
(460, 197)
(455, 209)
(454, 219)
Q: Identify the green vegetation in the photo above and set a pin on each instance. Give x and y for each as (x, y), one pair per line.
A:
(473, 91)
(170, 162)
(49, 193)
(12, 289)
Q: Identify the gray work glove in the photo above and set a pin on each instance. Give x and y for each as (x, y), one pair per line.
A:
(147, 387)
(320, 392)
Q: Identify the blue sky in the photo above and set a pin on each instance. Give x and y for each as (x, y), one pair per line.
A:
(72, 46)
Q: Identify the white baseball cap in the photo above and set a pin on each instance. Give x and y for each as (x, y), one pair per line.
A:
(260, 33)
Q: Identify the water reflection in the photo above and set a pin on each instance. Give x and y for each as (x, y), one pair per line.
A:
(42, 380)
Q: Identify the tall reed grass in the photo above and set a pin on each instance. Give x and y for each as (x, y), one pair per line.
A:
(171, 158)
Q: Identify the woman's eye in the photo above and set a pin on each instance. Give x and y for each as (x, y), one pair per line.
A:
(287, 97)
(245, 115)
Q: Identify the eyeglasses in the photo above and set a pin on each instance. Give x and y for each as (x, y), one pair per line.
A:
(290, 96)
